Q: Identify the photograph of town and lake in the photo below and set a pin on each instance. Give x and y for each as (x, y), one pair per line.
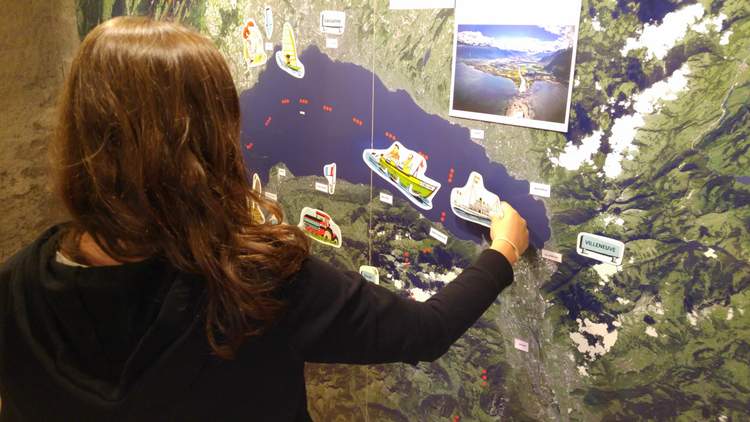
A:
(513, 71)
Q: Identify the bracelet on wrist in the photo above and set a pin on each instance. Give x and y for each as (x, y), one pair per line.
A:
(512, 245)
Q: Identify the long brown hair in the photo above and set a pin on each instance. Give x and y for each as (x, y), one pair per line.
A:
(149, 164)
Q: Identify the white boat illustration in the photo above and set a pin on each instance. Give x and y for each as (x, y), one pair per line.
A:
(287, 58)
(404, 169)
(473, 202)
(252, 46)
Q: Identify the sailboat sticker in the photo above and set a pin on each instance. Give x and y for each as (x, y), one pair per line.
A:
(252, 47)
(329, 171)
(287, 58)
(269, 21)
(258, 216)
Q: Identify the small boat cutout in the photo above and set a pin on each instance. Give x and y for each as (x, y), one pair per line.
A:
(370, 273)
(319, 226)
(252, 46)
(473, 202)
(405, 170)
(329, 171)
(287, 58)
(258, 215)
(268, 18)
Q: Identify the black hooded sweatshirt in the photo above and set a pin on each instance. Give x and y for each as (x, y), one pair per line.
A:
(127, 342)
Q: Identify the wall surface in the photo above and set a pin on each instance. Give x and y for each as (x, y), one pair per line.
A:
(37, 39)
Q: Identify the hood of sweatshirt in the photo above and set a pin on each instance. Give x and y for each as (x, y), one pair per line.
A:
(100, 337)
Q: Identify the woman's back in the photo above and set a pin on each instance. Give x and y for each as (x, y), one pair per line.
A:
(126, 342)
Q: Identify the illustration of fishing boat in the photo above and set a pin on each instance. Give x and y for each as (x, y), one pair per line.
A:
(320, 227)
(268, 19)
(404, 169)
(473, 202)
(287, 58)
(258, 215)
(252, 47)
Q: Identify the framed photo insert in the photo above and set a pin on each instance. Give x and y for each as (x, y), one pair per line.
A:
(513, 62)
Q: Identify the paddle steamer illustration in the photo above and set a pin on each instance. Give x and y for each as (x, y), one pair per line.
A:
(473, 202)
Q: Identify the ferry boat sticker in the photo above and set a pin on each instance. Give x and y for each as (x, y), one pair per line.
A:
(269, 21)
(256, 210)
(405, 170)
(319, 226)
(332, 22)
(253, 46)
(329, 171)
(473, 202)
(287, 58)
(370, 273)
(600, 248)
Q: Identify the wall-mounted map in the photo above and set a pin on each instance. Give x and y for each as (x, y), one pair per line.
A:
(655, 156)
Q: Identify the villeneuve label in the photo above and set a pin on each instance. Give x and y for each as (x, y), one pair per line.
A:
(521, 345)
(600, 248)
(438, 235)
(282, 172)
(552, 256)
(387, 198)
(476, 134)
(539, 189)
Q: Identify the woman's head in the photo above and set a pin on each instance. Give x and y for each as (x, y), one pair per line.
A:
(149, 163)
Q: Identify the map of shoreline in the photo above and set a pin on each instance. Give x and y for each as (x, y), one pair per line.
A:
(347, 89)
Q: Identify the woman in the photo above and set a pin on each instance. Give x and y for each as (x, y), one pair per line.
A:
(162, 299)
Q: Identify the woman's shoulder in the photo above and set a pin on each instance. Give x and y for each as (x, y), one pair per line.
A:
(27, 258)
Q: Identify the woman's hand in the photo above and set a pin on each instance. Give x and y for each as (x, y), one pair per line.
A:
(509, 234)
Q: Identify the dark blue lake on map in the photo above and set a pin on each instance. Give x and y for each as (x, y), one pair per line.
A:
(279, 132)
(481, 92)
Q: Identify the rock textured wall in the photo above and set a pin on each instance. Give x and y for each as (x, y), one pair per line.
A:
(37, 40)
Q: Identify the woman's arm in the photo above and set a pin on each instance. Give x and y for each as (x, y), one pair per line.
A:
(337, 316)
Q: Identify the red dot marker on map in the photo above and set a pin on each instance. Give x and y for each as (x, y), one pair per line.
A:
(249, 146)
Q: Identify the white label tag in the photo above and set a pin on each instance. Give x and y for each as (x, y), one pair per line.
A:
(384, 197)
(269, 46)
(282, 172)
(521, 345)
(323, 187)
(332, 22)
(332, 43)
(270, 195)
(552, 256)
(438, 235)
(539, 189)
(476, 134)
